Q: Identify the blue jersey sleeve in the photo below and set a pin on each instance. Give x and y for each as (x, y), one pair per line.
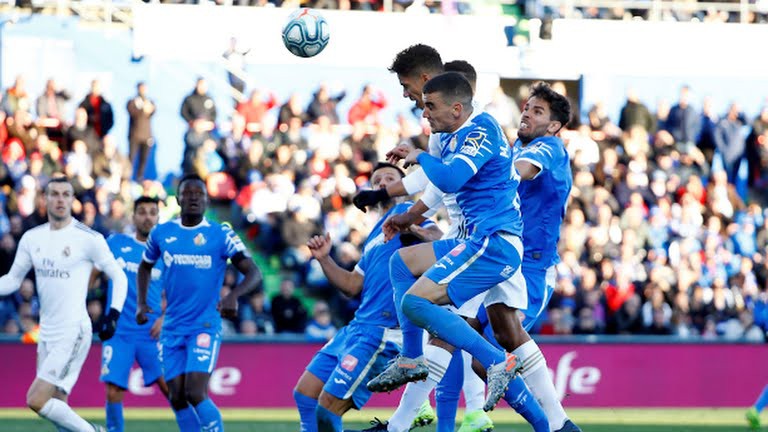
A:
(232, 242)
(362, 265)
(541, 152)
(152, 250)
(450, 177)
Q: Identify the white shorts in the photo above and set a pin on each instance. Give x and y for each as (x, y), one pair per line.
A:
(59, 361)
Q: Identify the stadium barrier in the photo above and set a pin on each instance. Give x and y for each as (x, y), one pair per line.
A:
(619, 374)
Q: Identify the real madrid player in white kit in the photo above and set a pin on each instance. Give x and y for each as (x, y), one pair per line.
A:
(63, 252)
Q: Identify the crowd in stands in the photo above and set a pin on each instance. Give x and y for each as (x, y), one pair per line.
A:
(666, 232)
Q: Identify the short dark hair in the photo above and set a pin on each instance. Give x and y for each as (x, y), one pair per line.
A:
(145, 200)
(463, 67)
(58, 179)
(452, 85)
(417, 59)
(188, 178)
(382, 165)
(559, 105)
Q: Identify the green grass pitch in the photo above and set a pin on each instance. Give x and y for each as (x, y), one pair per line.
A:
(286, 420)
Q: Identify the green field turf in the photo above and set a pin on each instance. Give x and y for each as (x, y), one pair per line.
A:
(286, 420)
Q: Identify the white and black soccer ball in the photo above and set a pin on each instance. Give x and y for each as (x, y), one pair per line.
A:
(306, 33)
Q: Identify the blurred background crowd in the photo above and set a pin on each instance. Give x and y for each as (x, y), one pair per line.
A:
(666, 232)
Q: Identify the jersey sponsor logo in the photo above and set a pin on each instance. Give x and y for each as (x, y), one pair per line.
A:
(202, 358)
(349, 363)
(199, 240)
(132, 267)
(339, 381)
(126, 249)
(170, 240)
(440, 265)
(198, 261)
(49, 270)
(204, 340)
(456, 251)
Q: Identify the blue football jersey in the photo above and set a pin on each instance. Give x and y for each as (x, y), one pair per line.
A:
(128, 254)
(544, 198)
(195, 259)
(377, 306)
(489, 199)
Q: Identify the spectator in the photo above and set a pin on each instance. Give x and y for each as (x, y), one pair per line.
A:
(320, 328)
(636, 114)
(16, 97)
(140, 138)
(235, 61)
(683, 121)
(83, 131)
(729, 142)
(366, 109)
(324, 105)
(255, 109)
(257, 314)
(100, 116)
(50, 108)
(288, 313)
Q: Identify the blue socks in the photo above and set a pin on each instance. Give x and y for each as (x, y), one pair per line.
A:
(210, 417)
(327, 421)
(115, 422)
(762, 401)
(187, 420)
(520, 398)
(447, 393)
(306, 406)
(451, 328)
(402, 280)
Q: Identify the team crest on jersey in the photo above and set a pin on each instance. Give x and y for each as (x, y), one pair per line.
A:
(66, 252)
(453, 143)
(349, 363)
(458, 249)
(199, 239)
(204, 340)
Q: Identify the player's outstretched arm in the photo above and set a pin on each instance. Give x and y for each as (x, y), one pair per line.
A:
(449, 177)
(21, 264)
(526, 170)
(245, 265)
(349, 282)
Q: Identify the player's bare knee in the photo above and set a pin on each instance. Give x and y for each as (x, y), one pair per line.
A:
(36, 400)
(195, 396)
(114, 393)
(334, 404)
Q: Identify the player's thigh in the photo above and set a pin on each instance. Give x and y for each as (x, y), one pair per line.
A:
(148, 357)
(39, 392)
(418, 258)
(203, 351)
(540, 284)
(477, 265)
(428, 289)
(366, 356)
(309, 385)
(117, 355)
(325, 361)
(65, 358)
(173, 356)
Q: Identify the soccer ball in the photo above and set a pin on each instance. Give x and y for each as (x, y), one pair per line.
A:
(306, 33)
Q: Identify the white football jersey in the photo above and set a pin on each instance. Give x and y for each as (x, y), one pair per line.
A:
(63, 260)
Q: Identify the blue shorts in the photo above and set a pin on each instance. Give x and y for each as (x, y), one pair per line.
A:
(540, 284)
(476, 265)
(196, 352)
(119, 353)
(353, 357)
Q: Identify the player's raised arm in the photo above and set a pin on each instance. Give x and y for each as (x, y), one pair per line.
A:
(21, 265)
(348, 282)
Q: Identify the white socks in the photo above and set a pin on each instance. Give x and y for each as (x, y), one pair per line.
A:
(537, 377)
(60, 414)
(417, 392)
(474, 386)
